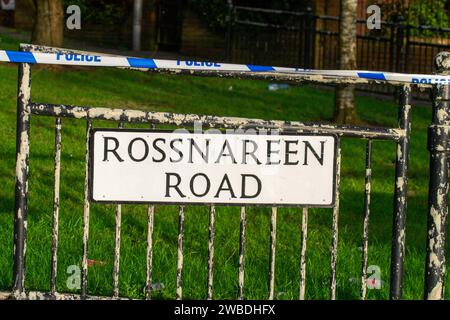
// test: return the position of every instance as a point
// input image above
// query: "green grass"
(183, 94)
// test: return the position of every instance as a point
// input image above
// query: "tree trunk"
(49, 23)
(344, 104)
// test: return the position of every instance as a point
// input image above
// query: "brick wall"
(198, 41)
(24, 14)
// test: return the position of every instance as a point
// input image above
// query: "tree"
(344, 104)
(49, 23)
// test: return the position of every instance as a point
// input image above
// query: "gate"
(27, 108)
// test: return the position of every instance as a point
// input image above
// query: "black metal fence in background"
(302, 39)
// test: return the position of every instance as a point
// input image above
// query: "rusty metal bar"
(335, 225)
(273, 243)
(211, 235)
(438, 189)
(116, 267)
(148, 283)
(57, 175)
(438, 145)
(40, 295)
(401, 183)
(84, 267)
(267, 76)
(180, 253)
(273, 76)
(241, 255)
(117, 252)
(365, 244)
(304, 235)
(22, 168)
(138, 116)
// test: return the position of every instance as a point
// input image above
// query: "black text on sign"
(212, 168)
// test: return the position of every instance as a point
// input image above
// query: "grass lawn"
(183, 94)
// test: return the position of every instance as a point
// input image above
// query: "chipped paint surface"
(304, 235)
(57, 174)
(148, 282)
(86, 208)
(35, 295)
(180, 253)
(296, 78)
(365, 240)
(438, 145)
(400, 196)
(399, 135)
(211, 235)
(241, 255)
(442, 63)
(116, 267)
(213, 121)
(273, 243)
(335, 226)
(22, 168)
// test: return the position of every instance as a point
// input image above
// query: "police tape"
(92, 60)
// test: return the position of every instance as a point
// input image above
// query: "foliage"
(429, 13)
(432, 13)
(215, 12)
(102, 12)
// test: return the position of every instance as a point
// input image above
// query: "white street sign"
(212, 168)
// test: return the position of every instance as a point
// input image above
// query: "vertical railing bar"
(273, 243)
(438, 185)
(304, 235)
(335, 225)
(149, 264)
(365, 244)
(57, 175)
(211, 235)
(241, 255)
(180, 253)
(117, 252)
(116, 268)
(84, 271)
(401, 183)
(148, 285)
(21, 183)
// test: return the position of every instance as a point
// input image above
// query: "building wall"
(198, 41)
(24, 14)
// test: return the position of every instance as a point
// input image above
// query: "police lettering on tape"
(120, 61)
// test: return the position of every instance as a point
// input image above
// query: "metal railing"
(27, 108)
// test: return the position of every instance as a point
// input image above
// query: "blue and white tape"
(93, 60)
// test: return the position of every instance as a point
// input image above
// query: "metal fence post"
(438, 145)
(401, 184)
(21, 189)
(308, 30)
(399, 43)
(229, 31)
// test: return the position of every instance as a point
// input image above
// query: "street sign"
(148, 166)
